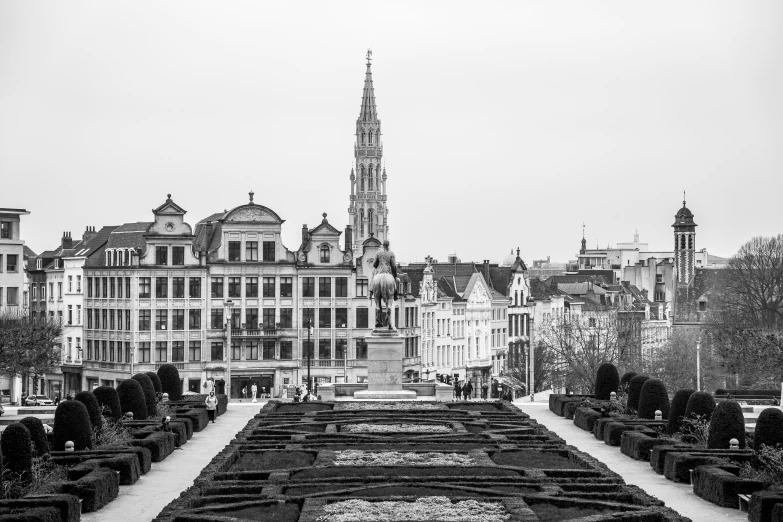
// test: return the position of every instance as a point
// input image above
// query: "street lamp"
(229, 304)
(698, 363)
(309, 349)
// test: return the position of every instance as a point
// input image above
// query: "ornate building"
(684, 244)
(367, 213)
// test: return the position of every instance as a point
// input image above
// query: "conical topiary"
(132, 399)
(17, 451)
(677, 411)
(93, 408)
(635, 390)
(169, 381)
(37, 435)
(726, 423)
(607, 380)
(652, 397)
(150, 399)
(72, 422)
(769, 429)
(700, 404)
(626, 379)
(155, 381)
(107, 397)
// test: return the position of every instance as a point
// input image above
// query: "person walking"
(457, 390)
(211, 403)
(244, 392)
(467, 390)
(484, 390)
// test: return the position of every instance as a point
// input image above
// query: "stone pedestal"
(385, 350)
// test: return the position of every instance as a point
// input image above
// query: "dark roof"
(28, 252)
(598, 279)
(207, 239)
(683, 217)
(416, 276)
(446, 290)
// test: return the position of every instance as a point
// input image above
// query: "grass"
(401, 471)
(533, 460)
(271, 513)
(551, 512)
(260, 460)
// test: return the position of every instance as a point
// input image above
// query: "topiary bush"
(677, 410)
(107, 397)
(17, 451)
(626, 379)
(155, 381)
(132, 399)
(635, 390)
(769, 429)
(607, 380)
(37, 435)
(150, 399)
(700, 404)
(726, 423)
(93, 408)
(653, 396)
(169, 381)
(72, 422)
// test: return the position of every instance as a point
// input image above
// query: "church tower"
(367, 213)
(684, 244)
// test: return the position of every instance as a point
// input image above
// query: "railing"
(333, 363)
(476, 363)
(255, 332)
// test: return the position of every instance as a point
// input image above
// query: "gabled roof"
(445, 290)
(28, 252)
(208, 238)
(580, 288)
(169, 204)
(416, 276)
(129, 235)
(325, 228)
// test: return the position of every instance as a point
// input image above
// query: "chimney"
(305, 234)
(348, 238)
(89, 233)
(66, 241)
(486, 271)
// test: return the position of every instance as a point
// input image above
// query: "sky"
(505, 124)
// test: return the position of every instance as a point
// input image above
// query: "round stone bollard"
(69, 445)
(165, 398)
(613, 396)
(658, 415)
(733, 444)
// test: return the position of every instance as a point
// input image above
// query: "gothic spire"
(368, 97)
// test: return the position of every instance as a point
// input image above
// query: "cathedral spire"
(368, 97)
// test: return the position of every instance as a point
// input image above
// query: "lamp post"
(309, 349)
(132, 358)
(229, 305)
(698, 364)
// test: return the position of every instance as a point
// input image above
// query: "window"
(217, 287)
(341, 318)
(269, 287)
(341, 287)
(34, 289)
(591, 322)
(161, 318)
(268, 350)
(178, 287)
(195, 287)
(104, 321)
(324, 348)
(236, 350)
(361, 317)
(236, 318)
(286, 350)
(324, 254)
(269, 251)
(177, 351)
(251, 250)
(308, 317)
(325, 318)
(308, 287)
(178, 255)
(286, 286)
(216, 319)
(70, 314)
(161, 351)
(70, 284)
(341, 349)
(269, 318)
(144, 352)
(127, 287)
(251, 318)
(119, 287)
(216, 352)
(194, 350)
(11, 263)
(361, 288)
(127, 319)
(251, 286)
(286, 318)
(251, 350)
(89, 319)
(307, 349)
(361, 348)
(178, 319)
(161, 255)
(702, 306)
(145, 287)
(324, 287)
(659, 278)
(5, 230)
(60, 291)
(161, 287)
(51, 291)
(234, 248)
(234, 286)
(89, 288)
(194, 319)
(112, 288)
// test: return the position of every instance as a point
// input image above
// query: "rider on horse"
(384, 282)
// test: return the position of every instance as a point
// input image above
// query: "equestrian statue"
(383, 286)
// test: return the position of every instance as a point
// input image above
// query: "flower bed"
(395, 428)
(423, 509)
(397, 458)
(394, 406)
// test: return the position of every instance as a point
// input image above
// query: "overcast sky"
(505, 124)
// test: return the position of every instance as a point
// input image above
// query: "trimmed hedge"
(126, 463)
(720, 487)
(769, 428)
(169, 381)
(762, 504)
(585, 418)
(93, 408)
(150, 399)
(653, 396)
(132, 399)
(36, 514)
(607, 380)
(635, 391)
(198, 417)
(677, 466)
(142, 455)
(155, 381)
(17, 451)
(637, 445)
(66, 505)
(160, 443)
(96, 489)
(72, 422)
(37, 434)
(700, 404)
(107, 396)
(660, 453)
(677, 410)
(626, 378)
(727, 423)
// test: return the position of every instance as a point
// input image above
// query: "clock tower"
(684, 244)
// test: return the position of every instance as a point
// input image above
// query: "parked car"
(39, 400)
(2, 410)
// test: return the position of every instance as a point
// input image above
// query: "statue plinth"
(385, 350)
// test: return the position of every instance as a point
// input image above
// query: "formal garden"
(98, 441)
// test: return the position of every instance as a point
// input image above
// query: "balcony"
(334, 363)
(249, 333)
(483, 362)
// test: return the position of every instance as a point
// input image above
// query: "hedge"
(36, 514)
(769, 428)
(132, 399)
(79, 465)
(700, 404)
(720, 487)
(726, 423)
(93, 408)
(150, 399)
(160, 444)
(170, 382)
(66, 505)
(677, 466)
(17, 451)
(107, 396)
(72, 422)
(96, 489)
(747, 393)
(155, 381)
(198, 417)
(637, 445)
(653, 396)
(635, 391)
(585, 418)
(660, 454)
(37, 434)
(626, 378)
(607, 381)
(142, 455)
(677, 410)
(762, 503)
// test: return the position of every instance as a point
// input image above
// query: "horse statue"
(383, 286)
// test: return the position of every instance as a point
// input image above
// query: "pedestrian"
(467, 390)
(253, 391)
(244, 392)
(457, 390)
(211, 403)
(484, 389)
(57, 399)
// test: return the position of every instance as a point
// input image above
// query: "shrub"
(150, 399)
(626, 379)
(677, 410)
(635, 390)
(17, 452)
(155, 381)
(93, 408)
(769, 429)
(653, 396)
(132, 399)
(726, 423)
(109, 400)
(700, 404)
(169, 381)
(37, 435)
(607, 381)
(72, 422)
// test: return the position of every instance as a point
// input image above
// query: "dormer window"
(702, 306)
(325, 254)
(38, 264)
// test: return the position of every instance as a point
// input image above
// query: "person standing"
(253, 391)
(244, 392)
(211, 403)
(467, 390)
(457, 390)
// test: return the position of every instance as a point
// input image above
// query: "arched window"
(324, 254)
(369, 179)
(682, 241)
(363, 136)
(370, 224)
(370, 137)
(690, 241)
(361, 223)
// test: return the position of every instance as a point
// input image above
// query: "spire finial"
(369, 56)
(168, 196)
(324, 215)
(517, 251)
(251, 194)
(683, 198)
(583, 230)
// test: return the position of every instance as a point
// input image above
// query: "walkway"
(677, 496)
(142, 501)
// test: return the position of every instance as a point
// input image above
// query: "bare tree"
(28, 345)
(543, 366)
